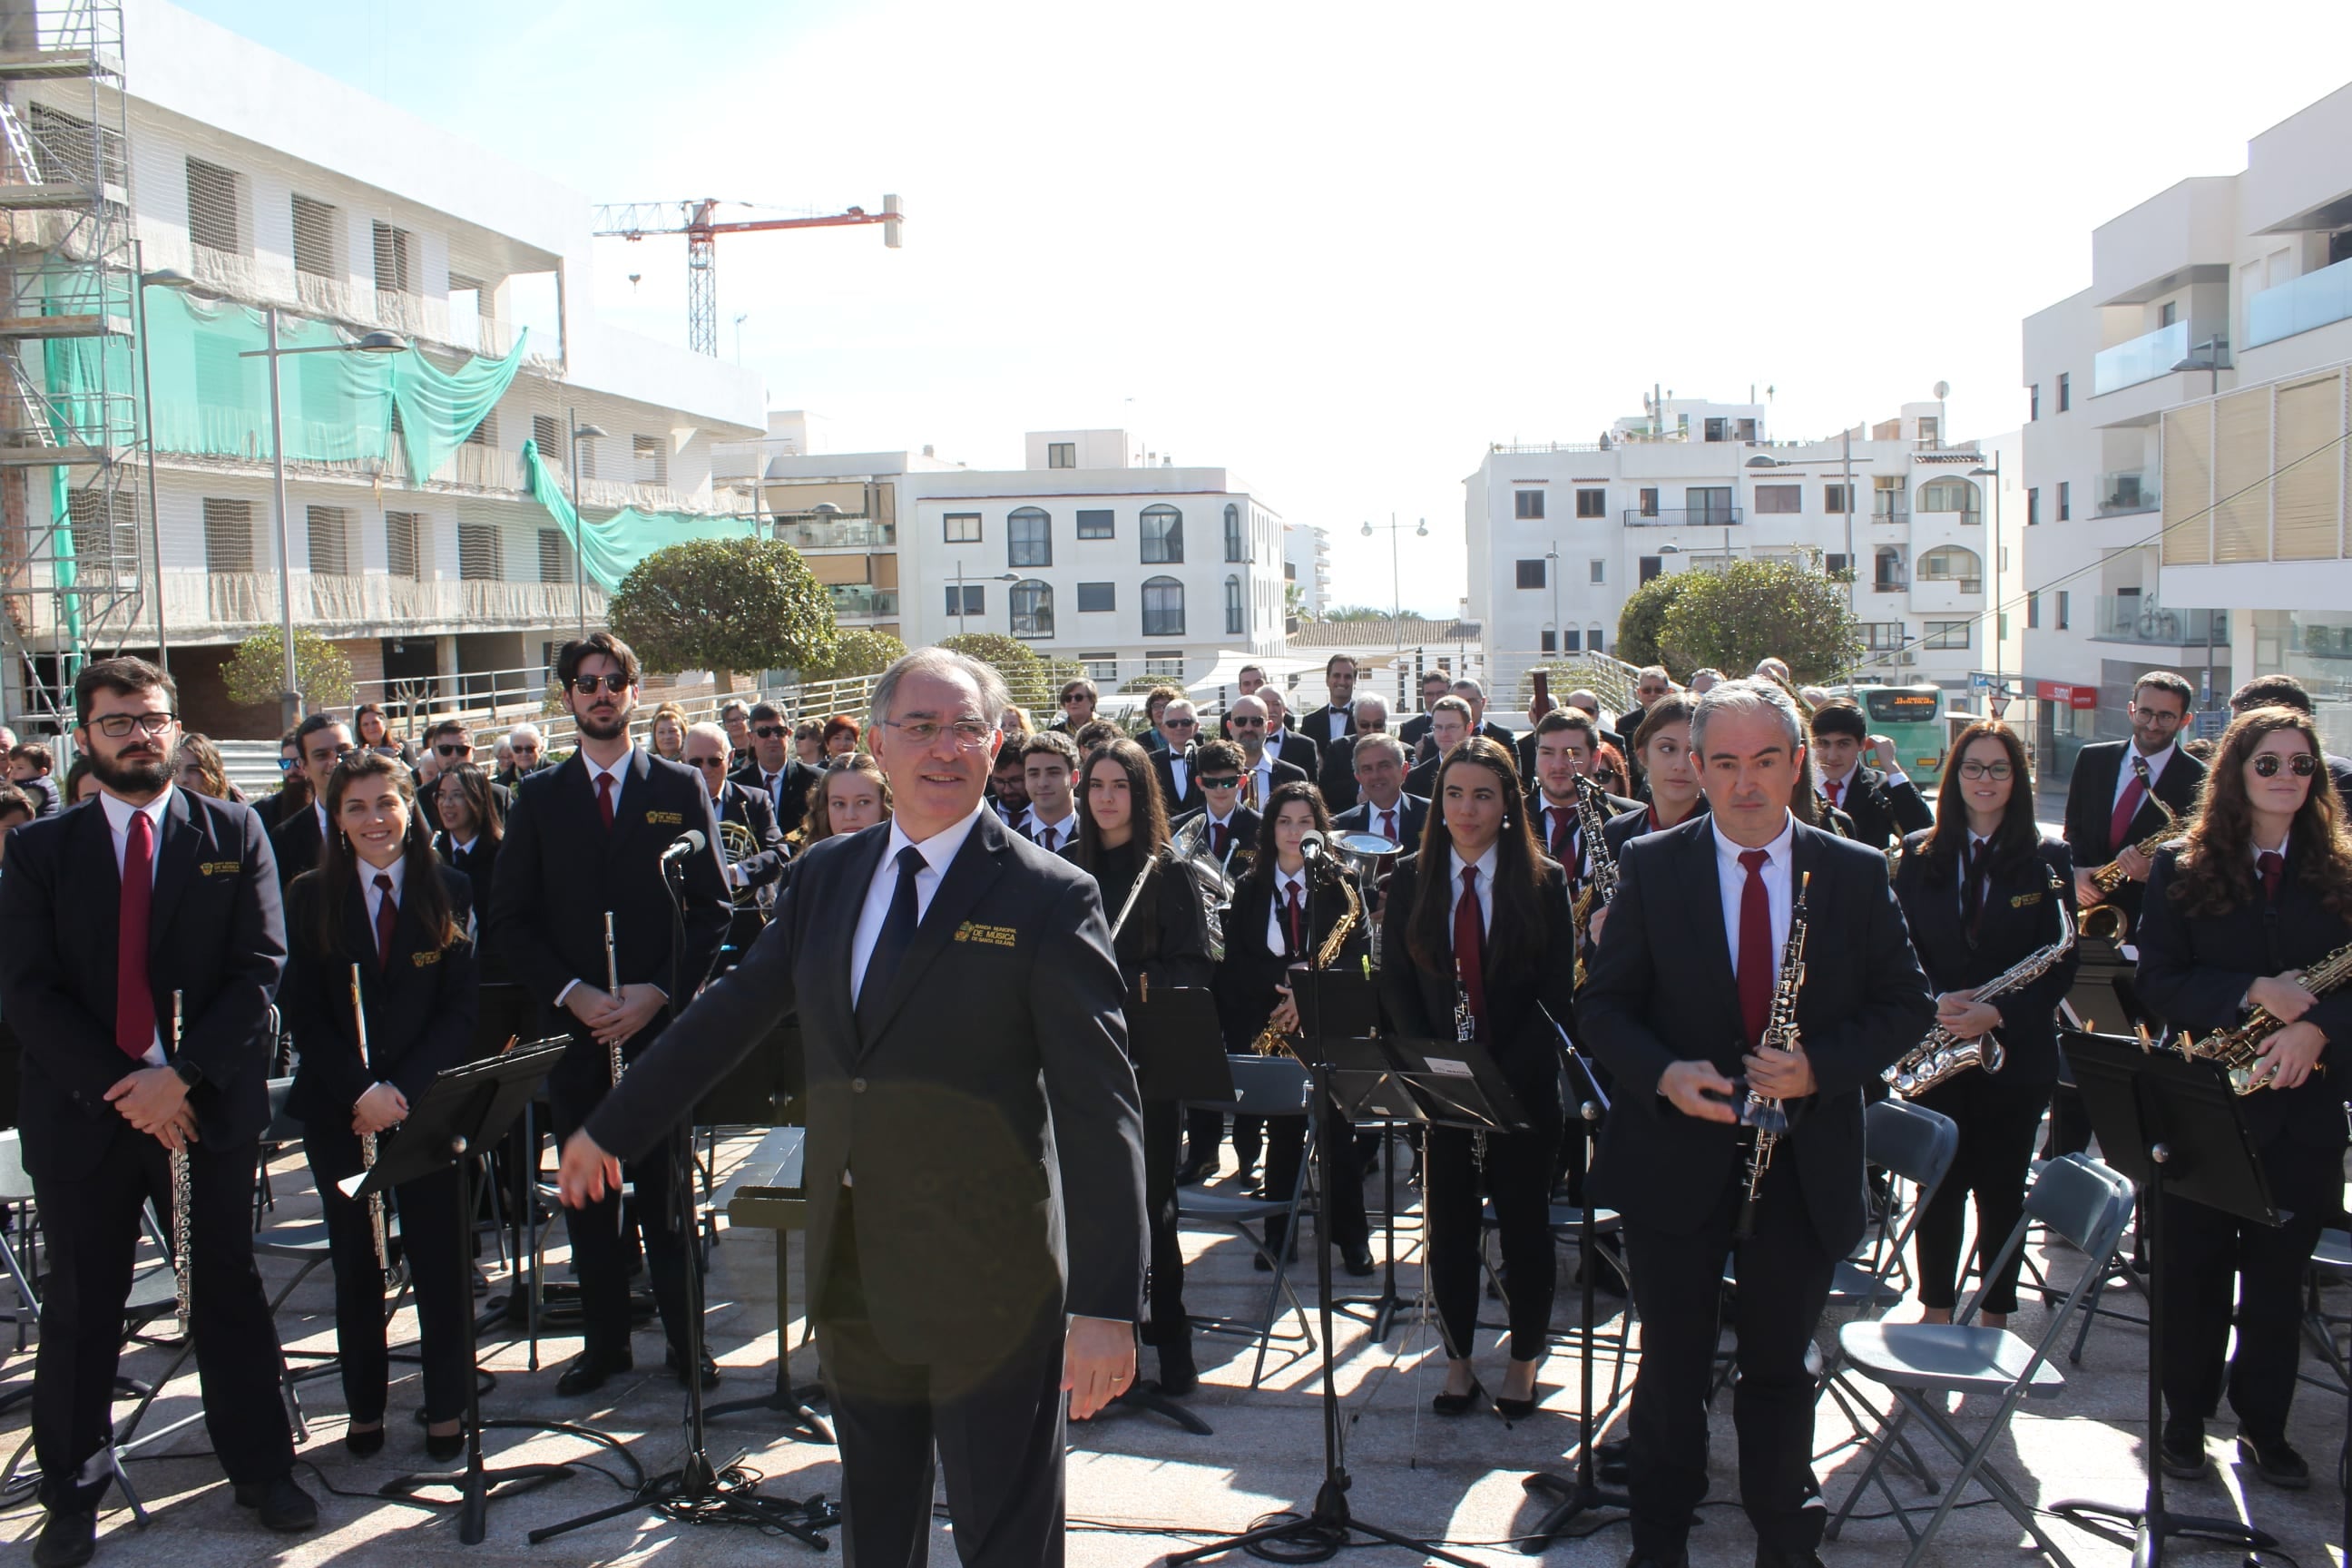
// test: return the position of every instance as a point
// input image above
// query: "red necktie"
(1470, 948)
(1836, 788)
(1755, 948)
(1388, 827)
(134, 1000)
(1560, 832)
(2119, 825)
(1298, 922)
(387, 915)
(605, 798)
(1217, 839)
(2272, 866)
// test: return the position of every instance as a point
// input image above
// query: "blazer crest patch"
(425, 956)
(2024, 900)
(219, 868)
(665, 819)
(992, 936)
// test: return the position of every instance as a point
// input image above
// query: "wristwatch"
(188, 1072)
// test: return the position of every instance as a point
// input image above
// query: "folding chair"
(1267, 1086)
(1921, 1363)
(16, 1199)
(2331, 1256)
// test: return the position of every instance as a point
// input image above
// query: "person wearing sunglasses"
(753, 845)
(2237, 914)
(527, 752)
(583, 855)
(319, 742)
(774, 770)
(1180, 732)
(2286, 692)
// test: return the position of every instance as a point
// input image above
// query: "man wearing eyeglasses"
(319, 742)
(448, 744)
(140, 942)
(2108, 810)
(586, 840)
(758, 860)
(1262, 771)
(773, 770)
(974, 1171)
(1180, 726)
(1883, 805)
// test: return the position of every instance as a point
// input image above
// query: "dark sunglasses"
(1181, 723)
(449, 750)
(706, 762)
(1246, 723)
(586, 684)
(2302, 765)
(771, 732)
(1223, 781)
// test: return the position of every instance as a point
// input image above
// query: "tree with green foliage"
(1030, 678)
(255, 672)
(724, 605)
(1732, 618)
(1643, 618)
(858, 652)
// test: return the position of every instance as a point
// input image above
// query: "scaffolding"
(74, 561)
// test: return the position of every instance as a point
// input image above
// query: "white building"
(1306, 566)
(1560, 535)
(1088, 553)
(2185, 461)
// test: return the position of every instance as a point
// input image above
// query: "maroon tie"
(134, 1000)
(1837, 788)
(1470, 948)
(1755, 948)
(1560, 832)
(1388, 827)
(1217, 839)
(2273, 865)
(2119, 825)
(387, 915)
(605, 798)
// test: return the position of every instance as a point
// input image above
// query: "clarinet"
(1763, 1112)
(1465, 1028)
(376, 1220)
(183, 1195)
(613, 989)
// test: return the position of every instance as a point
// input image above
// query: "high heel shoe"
(1458, 1404)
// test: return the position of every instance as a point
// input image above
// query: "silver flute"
(613, 989)
(183, 1200)
(376, 1220)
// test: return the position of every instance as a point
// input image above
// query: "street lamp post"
(999, 577)
(1396, 580)
(1994, 575)
(1551, 570)
(579, 523)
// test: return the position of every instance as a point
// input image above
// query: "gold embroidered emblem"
(993, 936)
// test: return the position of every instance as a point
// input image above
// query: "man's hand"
(381, 1107)
(2288, 1057)
(1688, 1086)
(180, 1131)
(149, 1099)
(1878, 750)
(1097, 1357)
(588, 1004)
(1964, 1016)
(587, 1173)
(1286, 1012)
(2135, 864)
(2086, 891)
(635, 1008)
(1782, 1075)
(2282, 997)
(1599, 918)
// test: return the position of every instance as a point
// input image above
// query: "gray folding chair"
(17, 1198)
(1267, 1086)
(1922, 1363)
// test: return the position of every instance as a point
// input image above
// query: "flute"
(376, 1221)
(613, 989)
(183, 1199)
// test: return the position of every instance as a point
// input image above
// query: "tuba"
(1942, 1054)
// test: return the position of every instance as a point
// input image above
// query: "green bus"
(1910, 716)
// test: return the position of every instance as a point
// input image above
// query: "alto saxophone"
(1601, 885)
(1941, 1054)
(183, 1195)
(377, 1224)
(2236, 1049)
(1764, 1112)
(2112, 876)
(1269, 1039)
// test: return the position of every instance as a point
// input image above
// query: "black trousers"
(92, 1224)
(1997, 1120)
(1206, 1130)
(1162, 1133)
(2209, 1251)
(996, 1428)
(602, 1247)
(430, 1224)
(2070, 1123)
(1517, 1176)
(1285, 1145)
(1784, 1282)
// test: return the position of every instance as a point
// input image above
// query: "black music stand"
(2173, 1126)
(1372, 1089)
(469, 1108)
(795, 1404)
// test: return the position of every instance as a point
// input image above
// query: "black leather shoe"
(359, 1442)
(282, 1503)
(2276, 1461)
(443, 1449)
(1641, 1559)
(709, 1368)
(1191, 1172)
(1178, 1375)
(588, 1371)
(2182, 1450)
(1357, 1259)
(1459, 1404)
(68, 1537)
(1766, 1557)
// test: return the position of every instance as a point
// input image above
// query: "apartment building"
(2185, 455)
(1091, 551)
(1560, 535)
(1306, 568)
(254, 185)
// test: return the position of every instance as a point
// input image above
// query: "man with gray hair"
(528, 747)
(1678, 1003)
(1473, 693)
(1382, 806)
(989, 1256)
(1337, 780)
(1179, 784)
(1650, 684)
(1262, 772)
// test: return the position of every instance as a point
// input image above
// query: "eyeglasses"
(971, 734)
(614, 682)
(449, 750)
(771, 732)
(288, 764)
(1247, 724)
(706, 762)
(1223, 781)
(2302, 765)
(1179, 724)
(115, 726)
(522, 750)
(1997, 771)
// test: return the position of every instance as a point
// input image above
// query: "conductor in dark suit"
(1676, 1000)
(107, 916)
(774, 771)
(989, 1256)
(587, 838)
(2107, 808)
(320, 741)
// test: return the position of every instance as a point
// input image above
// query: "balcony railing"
(1890, 585)
(2133, 618)
(856, 599)
(2300, 304)
(848, 534)
(197, 604)
(2149, 356)
(2127, 490)
(1896, 511)
(1685, 517)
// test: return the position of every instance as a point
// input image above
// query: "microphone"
(1312, 844)
(690, 842)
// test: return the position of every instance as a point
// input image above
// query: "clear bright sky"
(1338, 249)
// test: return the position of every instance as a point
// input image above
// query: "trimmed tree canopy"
(1645, 617)
(255, 672)
(724, 605)
(1732, 618)
(858, 651)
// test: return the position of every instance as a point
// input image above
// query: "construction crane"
(697, 221)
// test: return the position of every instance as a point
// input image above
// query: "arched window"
(1952, 495)
(1033, 610)
(1029, 538)
(1236, 610)
(1592, 639)
(1164, 536)
(1889, 573)
(1954, 563)
(1163, 607)
(1236, 541)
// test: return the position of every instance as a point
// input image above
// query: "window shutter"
(2310, 494)
(2187, 486)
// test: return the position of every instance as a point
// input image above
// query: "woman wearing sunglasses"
(2235, 915)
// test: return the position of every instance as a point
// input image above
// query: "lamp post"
(162, 278)
(1396, 580)
(579, 523)
(999, 577)
(1551, 570)
(1993, 473)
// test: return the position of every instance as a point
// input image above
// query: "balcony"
(1890, 585)
(2134, 619)
(1685, 517)
(2311, 300)
(1893, 509)
(847, 533)
(2154, 355)
(856, 600)
(201, 605)
(2127, 490)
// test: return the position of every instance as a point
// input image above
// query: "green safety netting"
(609, 549)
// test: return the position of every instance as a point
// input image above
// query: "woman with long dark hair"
(1478, 920)
(381, 907)
(373, 735)
(2235, 915)
(1983, 889)
(1169, 937)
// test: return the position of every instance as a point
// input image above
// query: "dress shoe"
(1518, 1409)
(282, 1503)
(68, 1537)
(446, 1448)
(1459, 1404)
(1653, 1559)
(1178, 1375)
(1767, 1557)
(671, 1365)
(1191, 1172)
(588, 1371)
(2182, 1450)
(1356, 1258)
(359, 1442)
(2276, 1461)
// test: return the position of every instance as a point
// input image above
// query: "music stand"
(467, 1108)
(1366, 1084)
(1179, 1049)
(2174, 1127)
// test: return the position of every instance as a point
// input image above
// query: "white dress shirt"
(2127, 772)
(1278, 914)
(1176, 771)
(938, 851)
(1255, 794)
(1341, 720)
(1779, 885)
(397, 871)
(119, 814)
(1835, 789)
(1486, 864)
(618, 773)
(1057, 834)
(774, 783)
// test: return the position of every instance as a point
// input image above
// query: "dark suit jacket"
(1240, 843)
(1337, 779)
(1320, 727)
(1882, 812)
(749, 809)
(420, 1010)
(1413, 820)
(216, 933)
(984, 1125)
(1661, 988)
(560, 871)
(798, 776)
(1612, 806)
(2090, 802)
(2193, 970)
(1250, 971)
(42, 791)
(295, 841)
(2339, 773)
(1412, 732)
(1300, 752)
(480, 866)
(1621, 830)
(1176, 804)
(2020, 915)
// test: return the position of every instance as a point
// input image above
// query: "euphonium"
(1942, 1053)
(2236, 1049)
(1765, 1112)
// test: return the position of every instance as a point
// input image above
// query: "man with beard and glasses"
(586, 839)
(141, 943)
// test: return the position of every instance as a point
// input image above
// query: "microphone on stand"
(690, 842)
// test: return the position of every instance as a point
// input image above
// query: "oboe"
(1765, 1112)
(183, 1199)
(613, 989)
(376, 1221)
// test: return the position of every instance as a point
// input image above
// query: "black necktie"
(890, 947)
(1972, 890)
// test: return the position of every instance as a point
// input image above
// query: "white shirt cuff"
(568, 990)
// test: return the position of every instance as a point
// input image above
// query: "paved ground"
(1139, 1487)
